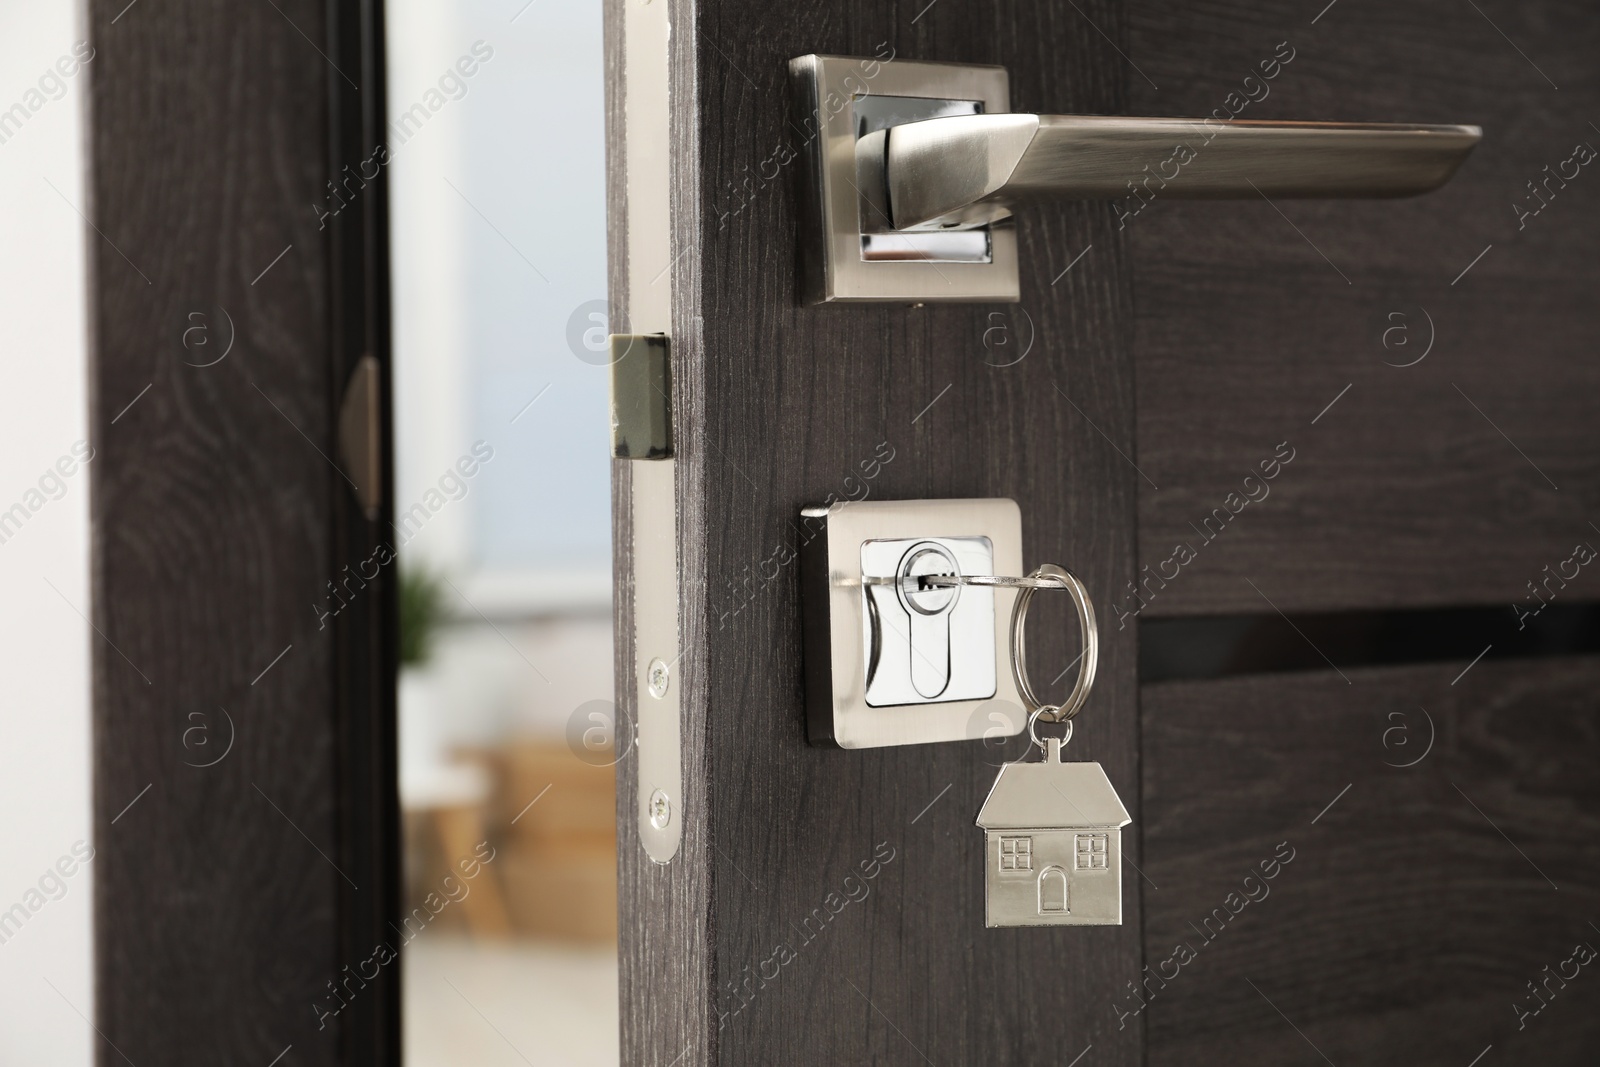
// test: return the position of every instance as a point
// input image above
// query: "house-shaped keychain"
(1053, 845)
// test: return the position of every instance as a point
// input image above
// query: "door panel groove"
(1224, 646)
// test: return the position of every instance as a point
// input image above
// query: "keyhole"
(921, 561)
(929, 609)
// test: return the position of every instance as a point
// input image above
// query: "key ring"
(1033, 733)
(1046, 576)
(1088, 662)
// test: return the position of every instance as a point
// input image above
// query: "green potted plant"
(430, 777)
(421, 611)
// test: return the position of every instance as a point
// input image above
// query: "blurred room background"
(497, 217)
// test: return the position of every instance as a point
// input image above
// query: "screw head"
(659, 677)
(660, 810)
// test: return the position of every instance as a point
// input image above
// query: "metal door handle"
(968, 170)
(915, 168)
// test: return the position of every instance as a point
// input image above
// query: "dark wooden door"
(1339, 898)
(1437, 509)
(764, 940)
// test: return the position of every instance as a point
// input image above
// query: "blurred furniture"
(447, 797)
(558, 856)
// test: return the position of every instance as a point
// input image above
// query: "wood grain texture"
(1433, 484)
(775, 407)
(664, 942)
(229, 895)
(1416, 907)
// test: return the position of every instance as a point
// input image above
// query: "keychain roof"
(1032, 796)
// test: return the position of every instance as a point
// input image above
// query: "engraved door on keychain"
(1053, 830)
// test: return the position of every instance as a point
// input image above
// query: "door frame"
(236, 898)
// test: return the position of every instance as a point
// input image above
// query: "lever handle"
(968, 170)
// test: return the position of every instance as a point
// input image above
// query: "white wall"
(430, 349)
(44, 650)
(497, 219)
(498, 230)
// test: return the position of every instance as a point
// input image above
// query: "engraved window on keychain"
(1052, 830)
